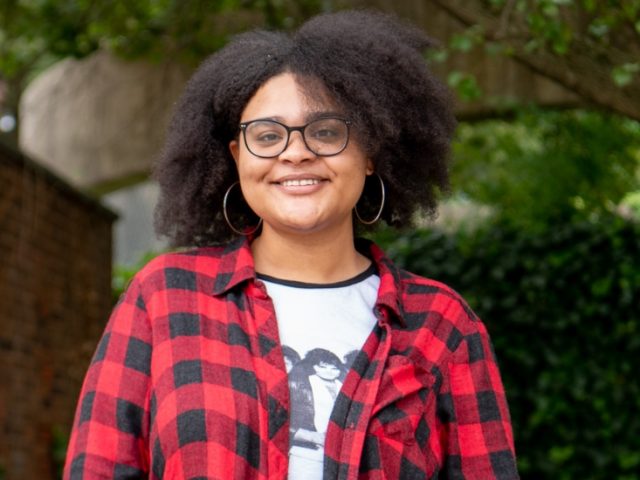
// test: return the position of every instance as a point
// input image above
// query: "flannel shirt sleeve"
(475, 424)
(109, 437)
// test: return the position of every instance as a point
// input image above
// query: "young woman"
(279, 148)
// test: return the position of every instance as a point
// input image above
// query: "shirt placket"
(277, 393)
(350, 439)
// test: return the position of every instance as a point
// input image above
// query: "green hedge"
(563, 312)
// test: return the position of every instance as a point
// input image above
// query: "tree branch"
(579, 70)
(505, 16)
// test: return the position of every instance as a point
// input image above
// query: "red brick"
(55, 277)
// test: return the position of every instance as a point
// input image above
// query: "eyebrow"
(323, 114)
(309, 117)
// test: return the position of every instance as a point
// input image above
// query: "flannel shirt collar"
(237, 266)
(389, 291)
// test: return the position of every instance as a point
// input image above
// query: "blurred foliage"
(585, 45)
(631, 201)
(562, 310)
(122, 274)
(542, 167)
(59, 442)
(551, 23)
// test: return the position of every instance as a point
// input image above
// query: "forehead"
(284, 97)
(326, 364)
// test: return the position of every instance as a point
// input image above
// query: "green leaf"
(437, 55)
(495, 48)
(598, 29)
(465, 85)
(624, 74)
(461, 42)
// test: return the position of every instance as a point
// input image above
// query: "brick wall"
(55, 297)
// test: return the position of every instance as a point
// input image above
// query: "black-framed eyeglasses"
(268, 138)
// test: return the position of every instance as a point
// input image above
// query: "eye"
(268, 137)
(328, 131)
(265, 133)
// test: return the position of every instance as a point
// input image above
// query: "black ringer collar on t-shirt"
(371, 270)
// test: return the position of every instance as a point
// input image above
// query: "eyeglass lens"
(267, 138)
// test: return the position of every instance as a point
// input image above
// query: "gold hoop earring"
(226, 215)
(377, 217)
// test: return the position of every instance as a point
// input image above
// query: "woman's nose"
(296, 150)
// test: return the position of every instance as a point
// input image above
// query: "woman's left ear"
(370, 168)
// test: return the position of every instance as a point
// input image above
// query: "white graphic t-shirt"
(322, 329)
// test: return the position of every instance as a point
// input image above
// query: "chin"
(307, 224)
(302, 227)
(295, 220)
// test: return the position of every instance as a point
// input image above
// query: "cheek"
(357, 182)
(250, 169)
(251, 175)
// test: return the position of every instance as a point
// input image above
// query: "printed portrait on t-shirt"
(291, 357)
(314, 383)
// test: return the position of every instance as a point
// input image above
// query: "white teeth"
(300, 183)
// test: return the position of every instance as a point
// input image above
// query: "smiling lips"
(303, 182)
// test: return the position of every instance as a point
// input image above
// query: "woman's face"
(326, 371)
(298, 191)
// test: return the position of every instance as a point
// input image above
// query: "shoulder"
(200, 259)
(431, 302)
(416, 293)
(435, 313)
(418, 287)
(183, 270)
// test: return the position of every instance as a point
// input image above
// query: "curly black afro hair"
(370, 64)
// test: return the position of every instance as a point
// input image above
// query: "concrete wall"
(55, 298)
(100, 119)
(133, 235)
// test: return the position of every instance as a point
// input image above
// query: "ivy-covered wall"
(563, 312)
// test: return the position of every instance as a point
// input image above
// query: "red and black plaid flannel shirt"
(189, 382)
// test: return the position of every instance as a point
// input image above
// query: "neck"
(319, 258)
